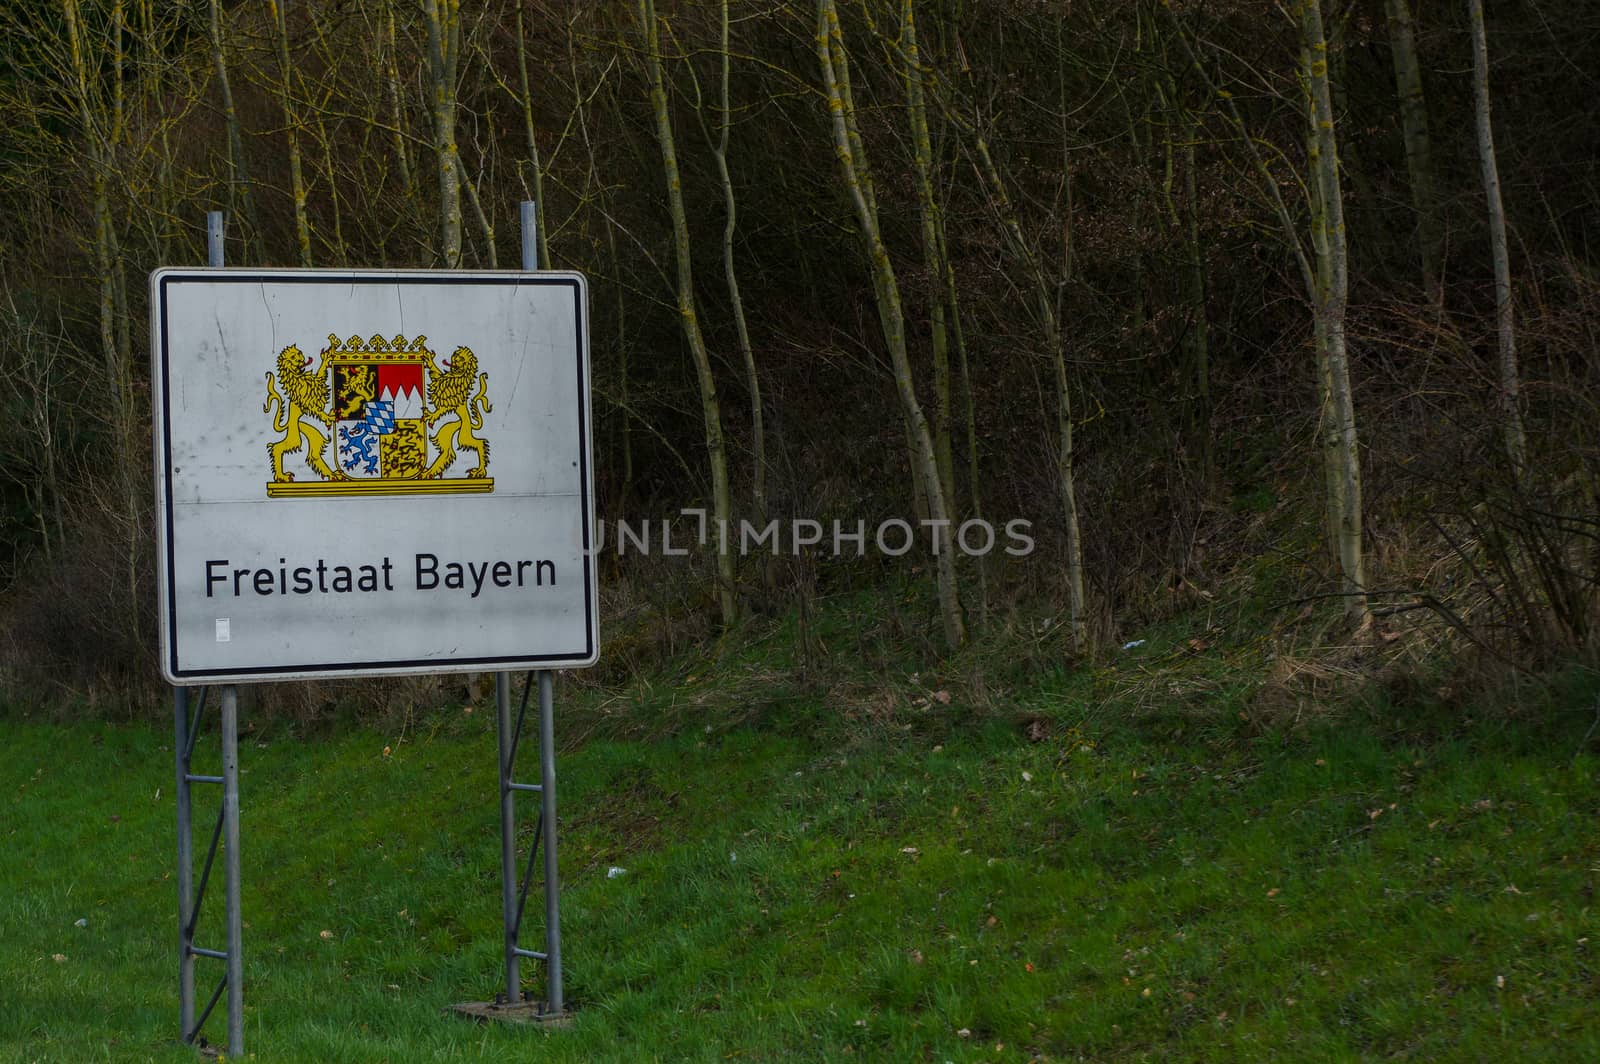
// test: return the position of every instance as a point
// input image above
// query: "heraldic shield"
(398, 420)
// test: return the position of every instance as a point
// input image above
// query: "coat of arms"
(398, 421)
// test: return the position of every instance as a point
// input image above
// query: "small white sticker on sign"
(224, 630)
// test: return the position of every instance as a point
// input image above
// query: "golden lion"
(305, 395)
(451, 393)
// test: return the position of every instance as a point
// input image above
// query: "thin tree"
(688, 317)
(1043, 287)
(730, 273)
(857, 176)
(1330, 297)
(1418, 140)
(1516, 440)
(928, 217)
(444, 52)
(1324, 272)
(525, 99)
(391, 82)
(291, 122)
(758, 432)
(240, 200)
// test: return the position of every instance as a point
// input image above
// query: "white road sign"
(371, 472)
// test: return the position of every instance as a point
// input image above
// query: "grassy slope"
(1195, 892)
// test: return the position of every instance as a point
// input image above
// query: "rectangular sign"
(365, 473)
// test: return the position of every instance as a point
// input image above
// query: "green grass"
(944, 891)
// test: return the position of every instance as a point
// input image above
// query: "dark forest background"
(1291, 303)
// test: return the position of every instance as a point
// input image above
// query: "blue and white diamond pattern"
(358, 440)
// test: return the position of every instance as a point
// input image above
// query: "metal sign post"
(512, 1003)
(226, 831)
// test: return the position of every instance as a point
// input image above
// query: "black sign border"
(163, 279)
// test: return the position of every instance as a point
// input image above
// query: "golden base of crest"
(289, 489)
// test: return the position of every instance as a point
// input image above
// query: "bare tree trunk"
(241, 202)
(402, 155)
(970, 410)
(1329, 300)
(1510, 378)
(444, 49)
(919, 490)
(542, 236)
(758, 433)
(928, 217)
(155, 81)
(1324, 275)
(1044, 307)
(297, 184)
(687, 316)
(851, 152)
(1419, 143)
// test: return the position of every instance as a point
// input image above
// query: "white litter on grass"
(614, 871)
(1135, 643)
(80, 922)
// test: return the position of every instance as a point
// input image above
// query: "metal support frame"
(191, 896)
(514, 889)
